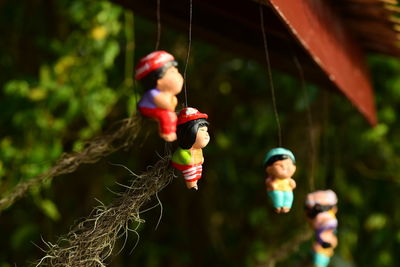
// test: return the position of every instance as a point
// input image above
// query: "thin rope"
(122, 137)
(130, 53)
(270, 76)
(158, 25)
(287, 249)
(161, 211)
(135, 93)
(311, 179)
(188, 51)
(326, 142)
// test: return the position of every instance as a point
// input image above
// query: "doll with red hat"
(193, 136)
(158, 73)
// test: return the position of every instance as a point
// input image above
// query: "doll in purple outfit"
(159, 75)
(321, 211)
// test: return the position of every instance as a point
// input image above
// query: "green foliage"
(62, 103)
(71, 93)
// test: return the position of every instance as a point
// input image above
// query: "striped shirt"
(190, 166)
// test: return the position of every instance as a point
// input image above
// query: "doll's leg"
(287, 201)
(191, 185)
(167, 122)
(277, 199)
(192, 175)
(320, 260)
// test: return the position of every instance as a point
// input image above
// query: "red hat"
(152, 62)
(189, 114)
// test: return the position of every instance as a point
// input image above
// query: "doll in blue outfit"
(279, 164)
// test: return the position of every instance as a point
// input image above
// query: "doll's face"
(324, 198)
(171, 82)
(202, 138)
(281, 169)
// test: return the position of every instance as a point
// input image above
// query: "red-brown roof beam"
(329, 42)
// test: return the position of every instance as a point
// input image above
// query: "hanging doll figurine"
(159, 75)
(279, 163)
(192, 137)
(321, 211)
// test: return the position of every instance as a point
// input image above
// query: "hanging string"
(135, 93)
(188, 51)
(130, 53)
(327, 146)
(167, 148)
(158, 25)
(167, 144)
(311, 178)
(270, 76)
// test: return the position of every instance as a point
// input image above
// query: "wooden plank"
(322, 34)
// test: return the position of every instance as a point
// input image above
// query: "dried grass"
(92, 241)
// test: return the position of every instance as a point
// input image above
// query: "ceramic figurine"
(193, 136)
(279, 164)
(321, 211)
(158, 73)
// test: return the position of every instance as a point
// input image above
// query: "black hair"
(275, 158)
(150, 80)
(316, 209)
(187, 132)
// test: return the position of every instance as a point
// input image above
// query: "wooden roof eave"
(323, 34)
(234, 25)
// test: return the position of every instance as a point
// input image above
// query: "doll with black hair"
(193, 136)
(321, 211)
(159, 75)
(280, 165)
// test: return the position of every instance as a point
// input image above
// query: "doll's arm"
(269, 184)
(292, 183)
(165, 101)
(326, 238)
(174, 102)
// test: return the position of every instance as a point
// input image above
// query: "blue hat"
(279, 151)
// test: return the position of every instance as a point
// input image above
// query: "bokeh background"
(67, 69)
